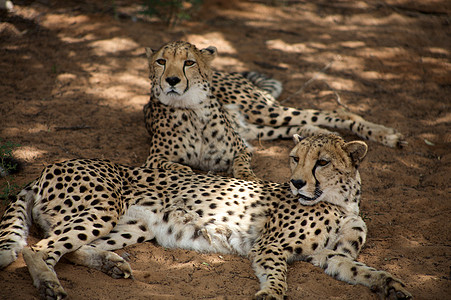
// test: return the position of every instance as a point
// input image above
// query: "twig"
(338, 99)
(304, 86)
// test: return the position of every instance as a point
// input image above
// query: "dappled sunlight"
(293, 48)
(342, 83)
(229, 63)
(352, 44)
(38, 127)
(28, 153)
(124, 89)
(425, 279)
(438, 50)
(216, 39)
(111, 46)
(392, 19)
(57, 20)
(439, 120)
(87, 37)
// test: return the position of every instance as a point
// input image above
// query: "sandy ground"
(74, 81)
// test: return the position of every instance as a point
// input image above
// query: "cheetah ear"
(149, 52)
(297, 138)
(357, 151)
(209, 53)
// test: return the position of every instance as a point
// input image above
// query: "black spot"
(314, 246)
(126, 236)
(105, 218)
(82, 236)
(166, 217)
(355, 244)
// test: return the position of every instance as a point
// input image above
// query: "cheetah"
(202, 119)
(88, 208)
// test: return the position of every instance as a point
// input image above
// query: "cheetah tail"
(14, 226)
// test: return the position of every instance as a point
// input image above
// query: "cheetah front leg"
(158, 161)
(106, 261)
(43, 275)
(242, 167)
(130, 229)
(339, 262)
(343, 267)
(270, 265)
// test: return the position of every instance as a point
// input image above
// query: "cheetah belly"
(189, 231)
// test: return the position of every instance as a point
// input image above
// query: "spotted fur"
(201, 119)
(89, 207)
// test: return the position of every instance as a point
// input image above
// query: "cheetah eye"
(322, 162)
(189, 63)
(295, 159)
(161, 61)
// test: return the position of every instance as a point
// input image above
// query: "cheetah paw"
(116, 267)
(182, 168)
(51, 290)
(396, 290)
(267, 294)
(394, 140)
(393, 289)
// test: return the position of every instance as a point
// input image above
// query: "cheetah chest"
(199, 138)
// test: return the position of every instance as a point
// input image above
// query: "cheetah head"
(324, 168)
(180, 73)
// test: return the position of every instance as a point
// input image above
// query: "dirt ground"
(73, 81)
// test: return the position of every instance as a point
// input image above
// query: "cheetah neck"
(349, 202)
(192, 98)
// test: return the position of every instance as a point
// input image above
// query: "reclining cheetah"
(202, 119)
(89, 207)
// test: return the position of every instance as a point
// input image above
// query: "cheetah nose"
(298, 183)
(173, 80)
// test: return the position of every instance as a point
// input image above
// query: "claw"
(402, 144)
